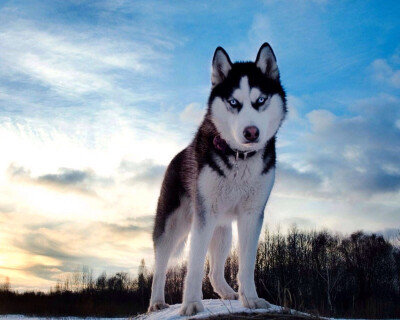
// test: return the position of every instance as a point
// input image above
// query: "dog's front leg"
(202, 230)
(249, 227)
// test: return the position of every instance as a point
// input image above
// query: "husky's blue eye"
(233, 102)
(260, 100)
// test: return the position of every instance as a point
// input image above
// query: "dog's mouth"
(249, 144)
(221, 144)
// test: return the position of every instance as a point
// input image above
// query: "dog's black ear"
(266, 61)
(221, 66)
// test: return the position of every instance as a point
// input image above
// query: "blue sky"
(96, 97)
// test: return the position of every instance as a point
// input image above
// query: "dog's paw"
(157, 305)
(229, 296)
(191, 308)
(257, 303)
(224, 290)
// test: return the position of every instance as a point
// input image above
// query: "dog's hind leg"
(219, 250)
(162, 255)
(176, 231)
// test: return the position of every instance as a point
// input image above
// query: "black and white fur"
(206, 187)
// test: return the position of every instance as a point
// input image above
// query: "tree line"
(355, 276)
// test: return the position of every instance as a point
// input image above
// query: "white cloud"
(340, 166)
(66, 171)
(294, 104)
(356, 154)
(321, 119)
(51, 150)
(193, 114)
(260, 32)
(386, 72)
(73, 63)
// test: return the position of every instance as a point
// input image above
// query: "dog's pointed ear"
(221, 66)
(266, 61)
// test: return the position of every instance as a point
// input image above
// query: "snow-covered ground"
(212, 307)
(21, 317)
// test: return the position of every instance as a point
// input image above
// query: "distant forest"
(356, 276)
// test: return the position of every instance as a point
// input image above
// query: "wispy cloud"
(147, 172)
(385, 72)
(55, 64)
(193, 114)
(53, 249)
(59, 61)
(82, 181)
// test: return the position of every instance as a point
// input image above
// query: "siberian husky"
(225, 174)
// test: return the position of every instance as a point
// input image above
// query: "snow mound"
(212, 307)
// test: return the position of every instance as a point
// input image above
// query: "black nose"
(251, 133)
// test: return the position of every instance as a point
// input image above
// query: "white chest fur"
(243, 188)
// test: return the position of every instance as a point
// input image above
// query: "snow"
(212, 307)
(22, 317)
